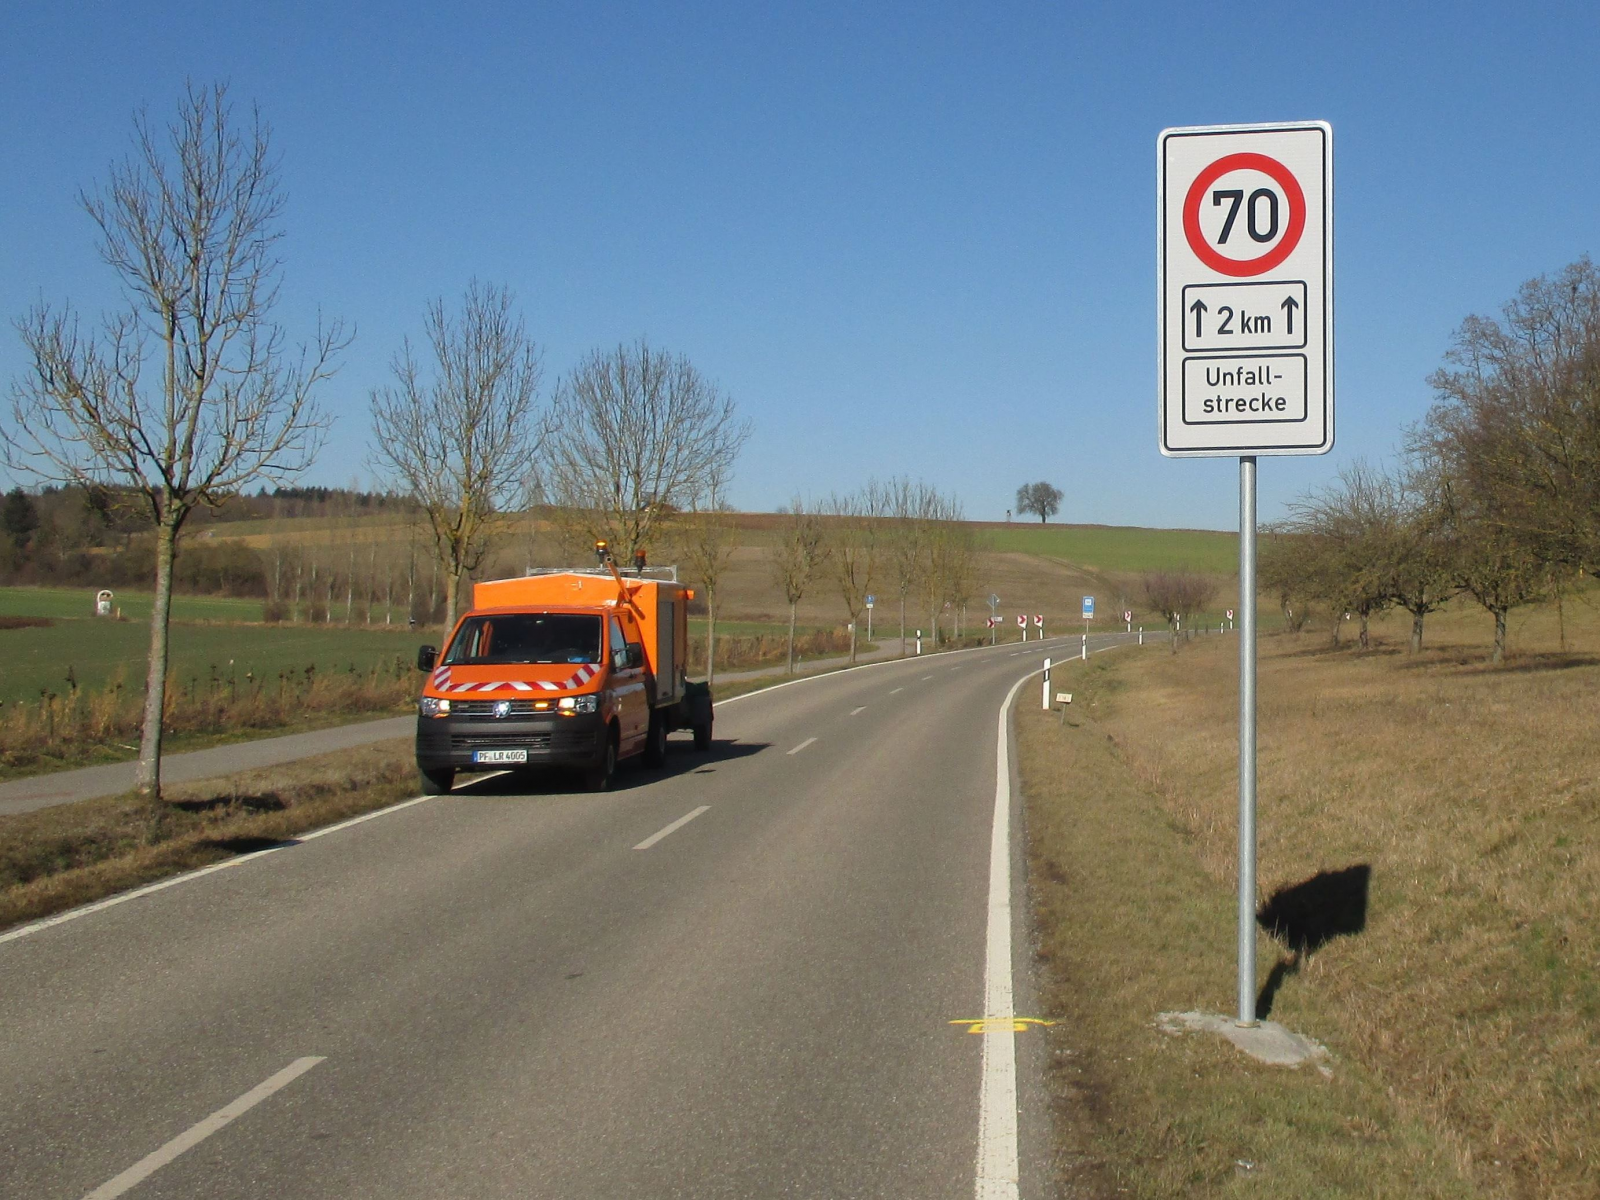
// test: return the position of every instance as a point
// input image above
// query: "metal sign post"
(1247, 741)
(1244, 245)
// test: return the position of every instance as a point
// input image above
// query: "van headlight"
(429, 707)
(579, 704)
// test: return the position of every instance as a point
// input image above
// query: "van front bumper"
(551, 741)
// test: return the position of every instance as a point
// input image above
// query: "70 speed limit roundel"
(1244, 214)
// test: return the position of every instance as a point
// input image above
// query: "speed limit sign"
(1245, 252)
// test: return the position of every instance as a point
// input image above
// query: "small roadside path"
(89, 783)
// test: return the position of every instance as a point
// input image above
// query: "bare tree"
(907, 505)
(461, 437)
(1041, 499)
(705, 540)
(1517, 423)
(855, 537)
(637, 433)
(1351, 532)
(796, 556)
(187, 394)
(1176, 594)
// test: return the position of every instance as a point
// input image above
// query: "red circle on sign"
(1282, 176)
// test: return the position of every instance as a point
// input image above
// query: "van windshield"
(526, 638)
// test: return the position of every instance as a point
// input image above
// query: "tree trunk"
(711, 636)
(1416, 631)
(1366, 642)
(902, 624)
(854, 620)
(791, 637)
(452, 597)
(1172, 635)
(1499, 635)
(155, 688)
(1041, 518)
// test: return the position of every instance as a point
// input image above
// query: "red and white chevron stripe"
(578, 678)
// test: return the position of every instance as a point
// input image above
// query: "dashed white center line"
(898, 689)
(862, 709)
(673, 828)
(925, 679)
(195, 1134)
(802, 746)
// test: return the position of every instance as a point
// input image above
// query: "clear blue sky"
(907, 239)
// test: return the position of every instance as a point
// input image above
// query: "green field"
(98, 651)
(1121, 549)
(79, 602)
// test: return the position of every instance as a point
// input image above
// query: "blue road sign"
(1088, 607)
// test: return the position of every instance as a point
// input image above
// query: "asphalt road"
(519, 993)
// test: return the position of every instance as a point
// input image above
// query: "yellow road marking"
(1000, 1024)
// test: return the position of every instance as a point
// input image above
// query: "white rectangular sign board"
(1244, 246)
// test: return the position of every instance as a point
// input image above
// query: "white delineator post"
(1247, 741)
(1086, 646)
(1046, 705)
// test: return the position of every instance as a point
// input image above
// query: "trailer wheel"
(655, 746)
(437, 782)
(702, 735)
(598, 777)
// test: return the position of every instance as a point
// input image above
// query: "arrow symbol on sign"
(1198, 308)
(1289, 305)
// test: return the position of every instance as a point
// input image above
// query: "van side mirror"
(635, 654)
(426, 657)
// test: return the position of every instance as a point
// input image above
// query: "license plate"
(499, 756)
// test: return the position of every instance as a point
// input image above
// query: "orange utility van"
(573, 668)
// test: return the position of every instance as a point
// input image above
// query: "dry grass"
(72, 854)
(104, 725)
(1473, 793)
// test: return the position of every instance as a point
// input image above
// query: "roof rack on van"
(660, 574)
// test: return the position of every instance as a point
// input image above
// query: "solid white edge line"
(997, 1169)
(801, 746)
(195, 1134)
(673, 828)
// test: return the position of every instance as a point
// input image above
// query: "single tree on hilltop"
(1040, 498)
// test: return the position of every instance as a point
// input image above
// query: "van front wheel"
(437, 782)
(598, 777)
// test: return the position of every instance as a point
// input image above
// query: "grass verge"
(70, 854)
(1130, 925)
(1463, 1006)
